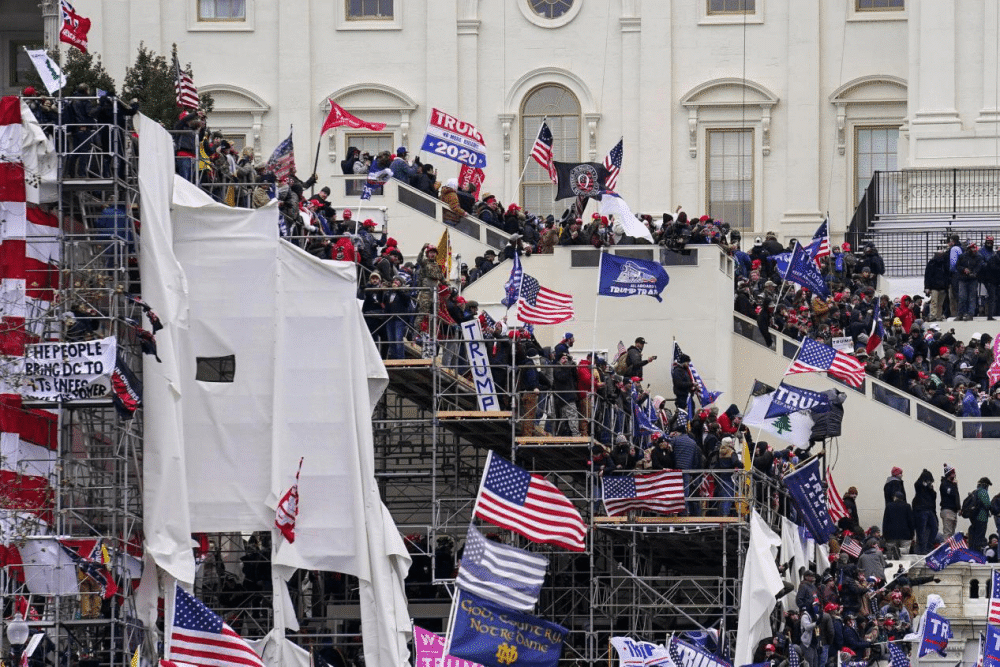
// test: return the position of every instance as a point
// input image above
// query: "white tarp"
(761, 582)
(793, 553)
(304, 380)
(48, 568)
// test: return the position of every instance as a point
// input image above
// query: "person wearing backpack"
(980, 515)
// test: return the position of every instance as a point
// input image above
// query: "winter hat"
(401, 150)
(896, 471)
(948, 469)
(347, 214)
(852, 492)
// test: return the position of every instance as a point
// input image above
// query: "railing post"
(954, 194)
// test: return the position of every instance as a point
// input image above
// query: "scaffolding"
(642, 576)
(92, 510)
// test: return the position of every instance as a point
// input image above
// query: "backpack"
(621, 365)
(970, 506)
(995, 505)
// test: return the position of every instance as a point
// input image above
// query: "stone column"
(295, 83)
(802, 113)
(468, 65)
(50, 23)
(631, 102)
(989, 113)
(934, 66)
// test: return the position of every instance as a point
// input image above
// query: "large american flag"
(509, 576)
(281, 160)
(896, 656)
(661, 492)
(187, 94)
(816, 357)
(540, 305)
(541, 151)
(200, 637)
(819, 247)
(613, 163)
(529, 505)
(838, 510)
(993, 611)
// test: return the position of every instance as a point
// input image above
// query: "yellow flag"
(744, 505)
(444, 254)
(135, 657)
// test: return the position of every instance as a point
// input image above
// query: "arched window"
(560, 109)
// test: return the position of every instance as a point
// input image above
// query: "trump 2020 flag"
(802, 270)
(806, 489)
(624, 276)
(787, 399)
(991, 647)
(497, 637)
(954, 550)
(508, 576)
(937, 632)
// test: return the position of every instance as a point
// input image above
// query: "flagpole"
(593, 346)
(319, 142)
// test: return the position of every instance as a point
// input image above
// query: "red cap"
(30, 90)
(636, 378)
(513, 207)
(943, 350)
(347, 214)
(845, 246)
(391, 242)
(703, 218)
(830, 607)
(368, 223)
(847, 651)
(899, 356)
(770, 647)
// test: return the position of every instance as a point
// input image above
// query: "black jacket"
(924, 495)
(950, 499)
(897, 521)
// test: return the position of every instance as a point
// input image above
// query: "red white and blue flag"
(661, 492)
(540, 305)
(542, 153)
(838, 510)
(200, 637)
(814, 357)
(877, 332)
(993, 611)
(282, 160)
(819, 247)
(529, 505)
(613, 163)
(74, 27)
(187, 94)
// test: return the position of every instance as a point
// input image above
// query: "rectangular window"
(21, 70)
(369, 10)
(878, 5)
(731, 6)
(215, 369)
(370, 143)
(874, 150)
(730, 177)
(222, 10)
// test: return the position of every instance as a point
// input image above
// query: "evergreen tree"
(152, 81)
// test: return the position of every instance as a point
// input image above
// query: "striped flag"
(851, 547)
(282, 160)
(619, 352)
(529, 505)
(613, 163)
(814, 357)
(540, 305)
(541, 151)
(819, 247)
(198, 635)
(993, 611)
(509, 576)
(187, 94)
(838, 510)
(661, 492)
(288, 508)
(896, 657)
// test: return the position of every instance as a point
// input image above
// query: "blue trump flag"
(802, 270)
(953, 550)
(495, 636)
(806, 489)
(991, 647)
(937, 632)
(787, 399)
(512, 288)
(624, 276)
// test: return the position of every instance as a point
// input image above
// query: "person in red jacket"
(730, 420)
(904, 311)
(584, 375)
(343, 249)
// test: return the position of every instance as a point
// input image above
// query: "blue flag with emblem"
(512, 288)
(705, 397)
(937, 632)
(494, 636)
(625, 276)
(807, 491)
(802, 270)
(643, 424)
(788, 399)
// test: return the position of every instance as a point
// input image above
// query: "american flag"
(509, 576)
(529, 505)
(838, 510)
(993, 611)
(896, 656)
(199, 636)
(819, 247)
(187, 94)
(620, 351)
(613, 163)
(851, 546)
(541, 151)
(956, 542)
(704, 395)
(282, 160)
(661, 492)
(288, 508)
(877, 332)
(540, 305)
(815, 357)
(794, 659)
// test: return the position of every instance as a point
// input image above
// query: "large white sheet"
(306, 376)
(761, 582)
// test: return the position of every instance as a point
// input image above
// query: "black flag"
(127, 388)
(580, 179)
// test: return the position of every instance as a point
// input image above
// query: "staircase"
(908, 214)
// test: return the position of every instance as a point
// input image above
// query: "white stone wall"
(657, 73)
